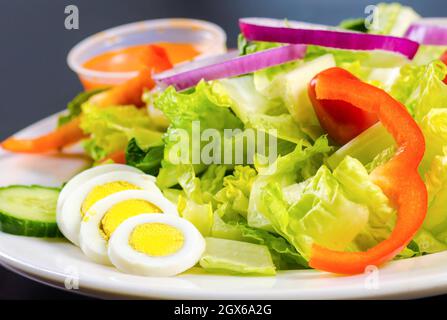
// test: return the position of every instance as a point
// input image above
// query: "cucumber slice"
(29, 211)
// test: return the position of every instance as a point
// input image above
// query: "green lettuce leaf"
(434, 128)
(183, 109)
(354, 178)
(74, 106)
(237, 257)
(148, 161)
(113, 127)
(196, 204)
(247, 47)
(233, 198)
(290, 87)
(355, 24)
(420, 88)
(296, 166)
(365, 147)
(343, 210)
(392, 19)
(284, 255)
(326, 217)
(436, 183)
(255, 110)
(427, 54)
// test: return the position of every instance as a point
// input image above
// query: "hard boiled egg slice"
(103, 218)
(155, 245)
(87, 194)
(88, 174)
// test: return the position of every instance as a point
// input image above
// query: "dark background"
(35, 80)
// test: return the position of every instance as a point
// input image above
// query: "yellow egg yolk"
(102, 191)
(156, 239)
(122, 211)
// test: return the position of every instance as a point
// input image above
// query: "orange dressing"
(133, 58)
(178, 52)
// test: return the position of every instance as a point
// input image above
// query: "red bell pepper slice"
(398, 178)
(444, 59)
(341, 120)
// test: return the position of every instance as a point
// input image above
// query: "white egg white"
(88, 174)
(128, 260)
(69, 217)
(91, 241)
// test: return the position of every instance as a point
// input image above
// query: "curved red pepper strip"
(398, 178)
(444, 59)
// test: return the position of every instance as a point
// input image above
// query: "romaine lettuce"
(420, 88)
(148, 161)
(343, 210)
(183, 109)
(296, 166)
(113, 127)
(231, 256)
(196, 205)
(255, 110)
(233, 198)
(392, 19)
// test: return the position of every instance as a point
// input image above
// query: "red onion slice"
(228, 65)
(431, 31)
(272, 30)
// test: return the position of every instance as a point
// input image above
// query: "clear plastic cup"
(206, 37)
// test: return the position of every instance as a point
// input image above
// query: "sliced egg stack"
(118, 216)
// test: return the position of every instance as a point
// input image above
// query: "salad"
(309, 147)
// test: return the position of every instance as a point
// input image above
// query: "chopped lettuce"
(424, 242)
(233, 198)
(381, 158)
(392, 19)
(296, 166)
(247, 47)
(237, 257)
(365, 147)
(184, 110)
(436, 182)
(420, 88)
(74, 106)
(434, 128)
(343, 210)
(284, 255)
(354, 24)
(384, 18)
(291, 87)
(255, 110)
(148, 161)
(428, 243)
(196, 205)
(427, 54)
(354, 178)
(113, 127)
(323, 215)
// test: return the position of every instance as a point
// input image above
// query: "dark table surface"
(35, 80)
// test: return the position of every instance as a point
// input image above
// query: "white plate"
(58, 263)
